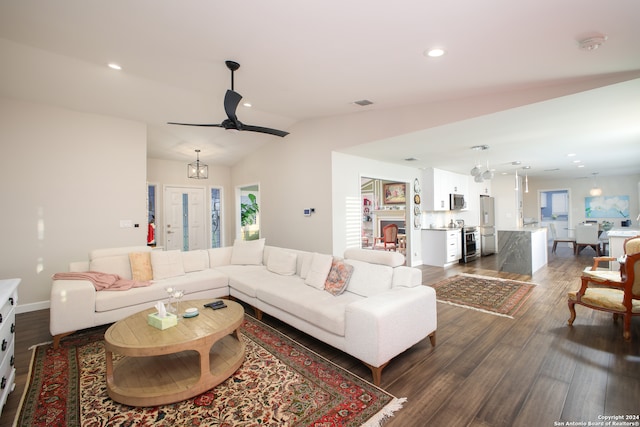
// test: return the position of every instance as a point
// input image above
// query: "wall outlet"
(126, 223)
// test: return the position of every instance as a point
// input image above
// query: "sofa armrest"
(380, 327)
(73, 304)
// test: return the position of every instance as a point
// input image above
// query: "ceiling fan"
(231, 101)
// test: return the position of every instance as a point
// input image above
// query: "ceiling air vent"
(363, 102)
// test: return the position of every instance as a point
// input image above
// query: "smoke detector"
(593, 42)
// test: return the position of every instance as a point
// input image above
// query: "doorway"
(184, 214)
(555, 212)
(383, 202)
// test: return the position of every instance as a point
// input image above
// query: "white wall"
(166, 172)
(66, 181)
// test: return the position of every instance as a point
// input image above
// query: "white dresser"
(8, 303)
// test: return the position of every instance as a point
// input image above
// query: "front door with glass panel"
(184, 212)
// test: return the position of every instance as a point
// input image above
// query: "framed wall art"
(394, 193)
(606, 207)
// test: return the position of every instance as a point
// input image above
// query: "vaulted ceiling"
(304, 60)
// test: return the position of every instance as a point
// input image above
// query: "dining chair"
(587, 235)
(556, 239)
(616, 292)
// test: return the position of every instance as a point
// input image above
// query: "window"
(216, 217)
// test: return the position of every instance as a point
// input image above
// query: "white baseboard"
(35, 306)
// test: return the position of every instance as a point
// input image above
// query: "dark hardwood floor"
(485, 370)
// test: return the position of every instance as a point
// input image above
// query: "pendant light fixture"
(477, 173)
(595, 190)
(517, 183)
(197, 170)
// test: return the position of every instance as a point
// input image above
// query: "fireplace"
(384, 222)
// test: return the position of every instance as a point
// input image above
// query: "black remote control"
(216, 304)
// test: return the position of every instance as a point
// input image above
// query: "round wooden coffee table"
(171, 365)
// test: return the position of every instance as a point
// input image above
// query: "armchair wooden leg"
(627, 327)
(57, 338)
(432, 338)
(376, 372)
(572, 310)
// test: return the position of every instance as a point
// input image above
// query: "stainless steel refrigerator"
(487, 226)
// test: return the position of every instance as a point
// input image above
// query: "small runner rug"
(281, 383)
(502, 297)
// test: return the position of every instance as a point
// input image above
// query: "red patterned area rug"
(281, 383)
(502, 297)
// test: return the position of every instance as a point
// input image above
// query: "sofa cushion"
(282, 262)
(392, 259)
(141, 266)
(246, 278)
(197, 281)
(369, 279)
(305, 265)
(247, 252)
(319, 270)
(320, 308)
(166, 264)
(116, 264)
(195, 260)
(338, 277)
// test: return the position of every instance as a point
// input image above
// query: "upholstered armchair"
(389, 239)
(616, 292)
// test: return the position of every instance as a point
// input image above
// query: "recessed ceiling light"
(114, 66)
(435, 52)
(580, 166)
(577, 161)
(516, 163)
(247, 104)
(480, 147)
(571, 155)
(410, 159)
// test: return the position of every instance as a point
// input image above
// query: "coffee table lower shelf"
(170, 378)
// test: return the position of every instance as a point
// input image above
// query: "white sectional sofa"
(383, 310)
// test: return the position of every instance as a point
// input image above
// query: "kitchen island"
(522, 250)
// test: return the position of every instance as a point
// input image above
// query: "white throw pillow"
(166, 264)
(197, 260)
(319, 270)
(117, 264)
(282, 262)
(247, 252)
(369, 279)
(306, 264)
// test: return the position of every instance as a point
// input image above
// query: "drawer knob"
(0, 317)
(13, 327)
(13, 360)
(4, 345)
(11, 300)
(3, 384)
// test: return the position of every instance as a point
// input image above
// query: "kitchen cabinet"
(438, 185)
(441, 247)
(8, 303)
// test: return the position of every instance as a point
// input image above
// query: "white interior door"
(184, 213)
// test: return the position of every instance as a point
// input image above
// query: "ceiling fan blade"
(231, 101)
(260, 129)
(195, 124)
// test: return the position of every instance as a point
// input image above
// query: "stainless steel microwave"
(456, 201)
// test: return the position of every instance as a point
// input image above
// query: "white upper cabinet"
(438, 185)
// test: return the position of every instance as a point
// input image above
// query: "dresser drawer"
(7, 334)
(7, 375)
(7, 306)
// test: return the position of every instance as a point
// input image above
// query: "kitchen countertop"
(525, 229)
(442, 228)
